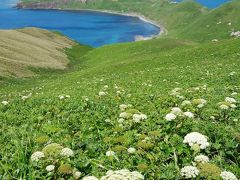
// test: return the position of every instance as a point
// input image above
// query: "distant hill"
(31, 47)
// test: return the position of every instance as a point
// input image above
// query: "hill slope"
(31, 47)
(80, 110)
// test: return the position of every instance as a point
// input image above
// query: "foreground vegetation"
(111, 113)
(167, 108)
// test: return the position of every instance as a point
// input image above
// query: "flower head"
(189, 172)
(122, 175)
(189, 114)
(195, 138)
(201, 159)
(66, 152)
(110, 153)
(226, 175)
(170, 117)
(37, 156)
(90, 178)
(5, 103)
(50, 168)
(131, 150)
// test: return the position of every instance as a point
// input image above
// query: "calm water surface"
(209, 3)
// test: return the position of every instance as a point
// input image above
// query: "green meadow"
(166, 108)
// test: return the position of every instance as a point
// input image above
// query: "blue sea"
(209, 3)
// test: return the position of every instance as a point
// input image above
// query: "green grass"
(143, 74)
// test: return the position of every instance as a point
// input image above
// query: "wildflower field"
(159, 109)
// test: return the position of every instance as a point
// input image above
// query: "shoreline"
(163, 30)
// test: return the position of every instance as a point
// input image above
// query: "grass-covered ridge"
(81, 110)
(24, 49)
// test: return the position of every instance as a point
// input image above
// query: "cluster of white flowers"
(137, 118)
(226, 175)
(66, 152)
(77, 174)
(90, 178)
(50, 168)
(195, 138)
(228, 103)
(26, 97)
(189, 114)
(199, 102)
(123, 174)
(232, 73)
(123, 107)
(235, 34)
(178, 112)
(170, 117)
(189, 172)
(110, 153)
(186, 102)
(201, 159)
(102, 93)
(176, 92)
(63, 96)
(131, 150)
(37, 156)
(5, 103)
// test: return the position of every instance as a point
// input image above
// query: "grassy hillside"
(80, 110)
(187, 20)
(132, 105)
(25, 49)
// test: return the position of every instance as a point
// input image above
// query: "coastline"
(163, 30)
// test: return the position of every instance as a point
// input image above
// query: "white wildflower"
(233, 106)
(201, 159)
(90, 178)
(123, 174)
(189, 172)
(101, 93)
(5, 103)
(170, 117)
(226, 175)
(131, 150)
(121, 120)
(77, 174)
(26, 97)
(110, 153)
(138, 117)
(124, 115)
(61, 97)
(186, 102)
(234, 94)
(195, 138)
(66, 152)
(223, 107)
(50, 168)
(123, 107)
(37, 156)
(230, 100)
(176, 111)
(189, 114)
